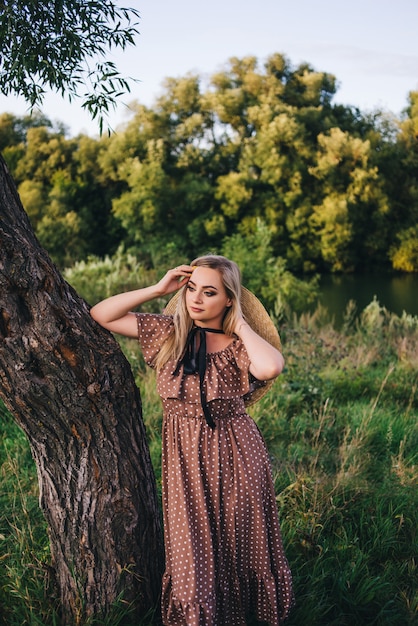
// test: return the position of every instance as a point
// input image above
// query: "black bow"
(194, 361)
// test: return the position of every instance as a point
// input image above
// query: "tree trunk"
(71, 390)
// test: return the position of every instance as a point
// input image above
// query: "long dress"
(224, 552)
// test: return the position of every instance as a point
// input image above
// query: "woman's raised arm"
(116, 313)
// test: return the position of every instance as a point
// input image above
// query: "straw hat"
(259, 320)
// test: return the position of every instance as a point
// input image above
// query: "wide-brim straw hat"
(259, 320)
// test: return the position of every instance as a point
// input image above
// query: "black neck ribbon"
(194, 361)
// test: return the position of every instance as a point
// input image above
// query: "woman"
(224, 554)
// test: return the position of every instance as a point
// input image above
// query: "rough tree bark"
(71, 390)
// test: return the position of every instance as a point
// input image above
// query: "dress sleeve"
(228, 376)
(153, 330)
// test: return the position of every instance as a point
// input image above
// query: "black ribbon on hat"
(194, 361)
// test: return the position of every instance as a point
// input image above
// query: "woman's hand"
(174, 279)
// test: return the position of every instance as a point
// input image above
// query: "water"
(397, 293)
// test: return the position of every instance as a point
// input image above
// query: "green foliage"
(51, 45)
(203, 165)
(336, 189)
(97, 279)
(63, 190)
(351, 216)
(13, 129)
(405, 255)
(344, 445)
(281, 292)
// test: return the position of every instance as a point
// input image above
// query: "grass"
(342, 431)
(25, 572)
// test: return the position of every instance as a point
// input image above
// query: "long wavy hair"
(173, 347)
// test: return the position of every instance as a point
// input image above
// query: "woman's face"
(206, 298)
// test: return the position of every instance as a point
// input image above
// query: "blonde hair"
(173, 347)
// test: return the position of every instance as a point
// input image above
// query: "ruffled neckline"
(229, 347)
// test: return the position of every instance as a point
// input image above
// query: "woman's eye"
(208, 294)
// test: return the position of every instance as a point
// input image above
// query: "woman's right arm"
(115, 313)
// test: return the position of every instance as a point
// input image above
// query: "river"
(396, 293)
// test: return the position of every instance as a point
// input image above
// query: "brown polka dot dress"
(224, 553)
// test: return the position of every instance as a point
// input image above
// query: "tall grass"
(342, 430)
(25, 572)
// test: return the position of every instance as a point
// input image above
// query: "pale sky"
(371, 46)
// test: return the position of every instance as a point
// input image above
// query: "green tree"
(34, 198)
(13, 129)
(403, 161)
(205, 163)
(350, 220)
(63, 189)
(404, 254)
(255, 143)
(69, 386)
(59, 229)
(47, 189)
(165, 158)
(281, 110)
(64, 46)
(13, 132)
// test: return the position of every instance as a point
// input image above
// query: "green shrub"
(96, 279)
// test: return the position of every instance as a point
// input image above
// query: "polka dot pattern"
(224, 552)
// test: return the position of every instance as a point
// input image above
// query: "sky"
(371, 47)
